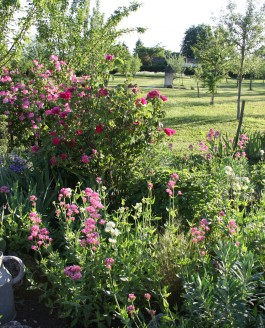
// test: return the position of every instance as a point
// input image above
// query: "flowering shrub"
(98, 261)
(79, 123)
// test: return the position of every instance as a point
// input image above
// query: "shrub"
(78, 123)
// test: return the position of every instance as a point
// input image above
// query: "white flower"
(110, 226)
(229, 170)
(262, 152)
(113, 241)
(115, 232)
(246, 180)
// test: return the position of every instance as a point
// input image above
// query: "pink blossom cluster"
(40, 236)
(33, 200)
(131, 308)
(140, 102)
(109, 261)
(109, 57)
(232, 226)
(155, 94)
(4, 190)
(73, 271)
(91, 236)
(213, 135)
(199, 233)
(169, 131)
(172, 184)
(243, 141)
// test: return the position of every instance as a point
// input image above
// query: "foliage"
(99, 260)
(177, 63)
(70, 31)
(148, 54)
(192, 35)
(213, 52)
(79, 123)
(245, 32)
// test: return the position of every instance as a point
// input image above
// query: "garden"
(121, 224)
(130, 204)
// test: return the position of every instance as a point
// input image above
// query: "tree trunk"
(198, 90)
(212, 99)
(250, 85)
(240, 77)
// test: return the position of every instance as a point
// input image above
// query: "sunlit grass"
(192, 116)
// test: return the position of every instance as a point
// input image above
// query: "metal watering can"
(7, 305)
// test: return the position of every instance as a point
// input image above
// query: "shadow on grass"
(197, 120)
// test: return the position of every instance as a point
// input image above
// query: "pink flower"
(140, 102)
(4, 190)
(153, 94)
(109, 262)
(131, 297)
(169, 131)
(147, 296)
(73, 271)
(85, 159)
(109, 57)
(164, 98)
(65, 95)
(131, 309)
(53, 58)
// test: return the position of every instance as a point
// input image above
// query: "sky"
(166, 20)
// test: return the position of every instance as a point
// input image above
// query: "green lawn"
(192, 117)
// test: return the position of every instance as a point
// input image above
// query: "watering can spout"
(7, 305)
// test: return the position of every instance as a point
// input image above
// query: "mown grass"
(192, 117)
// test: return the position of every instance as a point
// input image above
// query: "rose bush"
(79, 123)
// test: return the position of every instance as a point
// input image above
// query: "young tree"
(213, 54)
(246, 32)
(253, 67)
(177, 62)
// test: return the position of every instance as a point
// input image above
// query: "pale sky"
(166, 20)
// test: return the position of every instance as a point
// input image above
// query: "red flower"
(169, 131)
(99, 128)
(79, 132)
(65, 95)
(103, 92)
(63, 156)
(56, 141)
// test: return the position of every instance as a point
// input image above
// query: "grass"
(192, 117)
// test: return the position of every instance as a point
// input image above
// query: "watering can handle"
(21, 268)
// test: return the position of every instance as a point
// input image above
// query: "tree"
(213, 53)
(191, 37)
(75, 35)
(130, 65)
(253, 66)
(15, 24)
(246, 32)
(147, 54)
